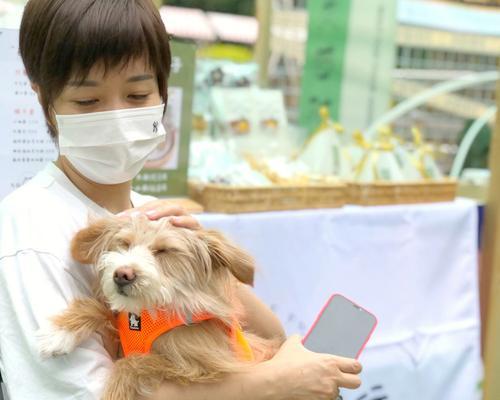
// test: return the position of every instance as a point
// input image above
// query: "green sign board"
(349, 61)
(322, 76)
(165, 173)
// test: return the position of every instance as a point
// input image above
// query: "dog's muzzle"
(124, 277)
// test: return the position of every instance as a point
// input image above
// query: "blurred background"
(426, 42)
(428, 49)
(348, 145)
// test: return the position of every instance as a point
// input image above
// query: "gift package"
(245, 156)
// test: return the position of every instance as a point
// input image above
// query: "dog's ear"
(89, 242)
(225, 254)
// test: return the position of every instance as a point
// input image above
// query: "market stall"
(413, 266)
(322, 155)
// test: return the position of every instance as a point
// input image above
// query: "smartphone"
(342, 328)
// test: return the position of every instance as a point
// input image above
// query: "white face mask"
(111, 147)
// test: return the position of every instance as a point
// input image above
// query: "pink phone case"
(357, 305)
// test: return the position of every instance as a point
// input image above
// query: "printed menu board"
(26, 146)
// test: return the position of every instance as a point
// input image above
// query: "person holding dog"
(100, 70)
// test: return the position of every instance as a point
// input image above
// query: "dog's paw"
(53, 341)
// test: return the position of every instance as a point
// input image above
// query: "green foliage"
(243, 7)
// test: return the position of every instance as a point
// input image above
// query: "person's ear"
(36, 89)
(50, 113)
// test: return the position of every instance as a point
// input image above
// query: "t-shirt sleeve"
(33, 287)
(139, 199)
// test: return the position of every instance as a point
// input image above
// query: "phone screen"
(342, 329)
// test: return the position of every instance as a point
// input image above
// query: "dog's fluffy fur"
(181, 270)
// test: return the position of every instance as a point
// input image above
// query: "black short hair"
(63, 39)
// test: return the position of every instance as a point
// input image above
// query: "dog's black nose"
(124, 276)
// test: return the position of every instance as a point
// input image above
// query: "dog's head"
(146, 264)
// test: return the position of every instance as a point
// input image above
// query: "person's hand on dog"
(161, 208)
(311, 375)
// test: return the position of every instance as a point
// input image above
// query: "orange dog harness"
(138, 332)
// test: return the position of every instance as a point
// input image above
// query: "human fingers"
(347, 365)
(345, 371)
(186, 221)
(165, 210)
(155, 210)
(348, 381)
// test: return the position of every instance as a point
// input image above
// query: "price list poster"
(25, 144)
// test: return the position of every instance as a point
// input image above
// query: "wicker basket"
(383, 193)
(231, 200)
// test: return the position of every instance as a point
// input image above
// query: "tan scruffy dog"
(153, 274)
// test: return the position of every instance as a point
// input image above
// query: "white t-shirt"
(38, 278)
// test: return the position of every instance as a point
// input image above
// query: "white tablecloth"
(414, 266)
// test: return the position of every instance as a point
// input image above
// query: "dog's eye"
(123, 243)
(159, 252)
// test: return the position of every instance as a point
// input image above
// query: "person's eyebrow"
(89, 83)
(86, 83)
(139, 78)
